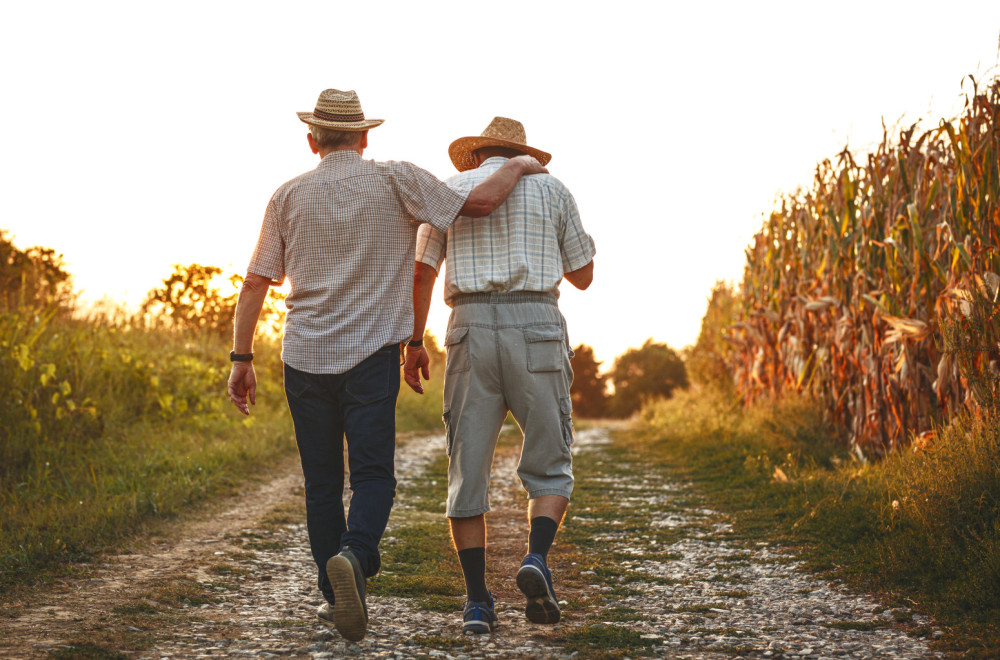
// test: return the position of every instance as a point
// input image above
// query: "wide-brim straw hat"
(501, 132)
(339, 110)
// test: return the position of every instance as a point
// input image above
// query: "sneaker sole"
(477, 627)
(541, 606)
(348, 611)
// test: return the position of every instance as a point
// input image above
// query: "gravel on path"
(708, 594)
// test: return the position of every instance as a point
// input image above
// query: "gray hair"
(330, 138)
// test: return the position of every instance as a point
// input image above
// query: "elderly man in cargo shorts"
(344, 236)
(507, 350)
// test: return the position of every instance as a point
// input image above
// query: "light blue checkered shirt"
(525, 245)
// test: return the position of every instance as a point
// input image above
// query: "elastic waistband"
(505, 297)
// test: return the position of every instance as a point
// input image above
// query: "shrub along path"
(642, 571)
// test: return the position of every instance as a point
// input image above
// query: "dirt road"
(643, 573)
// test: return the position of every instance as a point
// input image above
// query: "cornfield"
(876, 290)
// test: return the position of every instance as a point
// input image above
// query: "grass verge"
(108, 427)
(113, 427)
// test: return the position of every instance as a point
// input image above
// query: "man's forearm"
(248, 307)
(581, 277)
(423, 287)
(491, 193)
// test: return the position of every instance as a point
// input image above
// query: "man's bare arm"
(581, 277)
(243, 379)
(491, 193)
(417, 361)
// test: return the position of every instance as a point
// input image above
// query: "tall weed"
(102, 426)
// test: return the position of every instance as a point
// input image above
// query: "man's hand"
(417, 363)
(530, 164)
(243, 385)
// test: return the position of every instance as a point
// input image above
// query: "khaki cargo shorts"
(507, 352)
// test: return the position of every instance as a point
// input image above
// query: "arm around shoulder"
(491, 193)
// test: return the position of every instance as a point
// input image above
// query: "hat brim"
(461, 150)
(363, 125)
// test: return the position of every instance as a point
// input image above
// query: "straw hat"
(501, 132)
(339, 110)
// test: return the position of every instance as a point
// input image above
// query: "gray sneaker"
(325, 613)
(350, 615)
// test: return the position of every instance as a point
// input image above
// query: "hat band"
(329, 116)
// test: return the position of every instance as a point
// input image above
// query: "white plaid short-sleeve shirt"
(344, 236)
(525, 245)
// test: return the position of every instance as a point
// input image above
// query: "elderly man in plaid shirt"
(507, 350)
(344, 236)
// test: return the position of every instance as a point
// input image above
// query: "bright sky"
(137, 135)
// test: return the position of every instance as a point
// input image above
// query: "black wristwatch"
(240, 357)
(415, 343)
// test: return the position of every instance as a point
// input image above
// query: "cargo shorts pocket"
(566, 414)
(456, 348)
(449, 433)
(544, 346)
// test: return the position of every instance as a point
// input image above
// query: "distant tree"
(188, 300)
(32, 278)
(642, 374)
(589, 390)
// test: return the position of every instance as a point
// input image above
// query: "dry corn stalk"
(848, 286)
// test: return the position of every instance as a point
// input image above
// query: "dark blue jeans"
(361, 405)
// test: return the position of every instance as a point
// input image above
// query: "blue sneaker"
(479, 616)
(535, 582)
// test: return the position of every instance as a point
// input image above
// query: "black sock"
(542, 534)
(473, 562)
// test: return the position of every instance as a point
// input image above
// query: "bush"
(644, 374)
(589, 390)
(32, 279)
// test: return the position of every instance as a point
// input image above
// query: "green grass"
(419, 563)
(605, 641)
(443, 643)
(138, 609)
(86, 652)
(921, 528)
(111, 427)
(418, 560)
(107, 427)
(420, 413)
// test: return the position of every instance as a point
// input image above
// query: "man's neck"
(323, 153)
